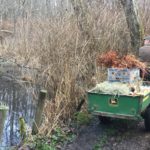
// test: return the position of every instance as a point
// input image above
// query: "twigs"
(108, 59)
(112, 59)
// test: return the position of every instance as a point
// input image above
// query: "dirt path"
(118, 135)
(87, 137)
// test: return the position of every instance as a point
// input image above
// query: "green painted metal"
(145, 102)
(121, 106)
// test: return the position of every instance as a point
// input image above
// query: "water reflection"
(21, 103)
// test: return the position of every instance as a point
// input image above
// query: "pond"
(21, 100)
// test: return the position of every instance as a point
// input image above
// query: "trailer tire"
(147, 119)
(104, 120)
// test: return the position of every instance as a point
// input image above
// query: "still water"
(21, 102)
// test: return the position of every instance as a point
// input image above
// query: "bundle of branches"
(112, 59)
(108, 59)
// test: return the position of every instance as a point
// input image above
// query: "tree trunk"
(134, 25)
(80, 9)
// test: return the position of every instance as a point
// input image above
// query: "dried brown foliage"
(112, 59)
(108, 59)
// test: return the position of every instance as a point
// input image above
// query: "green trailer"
(107, 106)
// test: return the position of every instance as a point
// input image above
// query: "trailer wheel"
(147, 119)
(104, 120)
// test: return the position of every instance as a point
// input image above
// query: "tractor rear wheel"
(104, 120)
(147, 119)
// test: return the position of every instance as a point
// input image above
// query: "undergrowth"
(115, 132)
(58, 138)
(82, 118)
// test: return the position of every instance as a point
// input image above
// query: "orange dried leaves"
(107, 59)
(112, 59)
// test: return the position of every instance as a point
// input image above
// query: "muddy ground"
(117, 135)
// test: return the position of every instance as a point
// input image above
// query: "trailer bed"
(118, 106)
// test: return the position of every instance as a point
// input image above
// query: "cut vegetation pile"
(112, 59)
(113, 88)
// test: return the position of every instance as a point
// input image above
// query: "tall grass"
(66, 61)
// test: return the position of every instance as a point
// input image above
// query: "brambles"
(59, 137)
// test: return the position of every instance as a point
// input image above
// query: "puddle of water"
(21, 103)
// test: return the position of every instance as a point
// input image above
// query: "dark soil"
(117, 135)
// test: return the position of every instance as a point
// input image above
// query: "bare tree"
(133, 22)
(81, 12)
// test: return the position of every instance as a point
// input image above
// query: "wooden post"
(2, 121)
(3, 112)
(39, 111)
